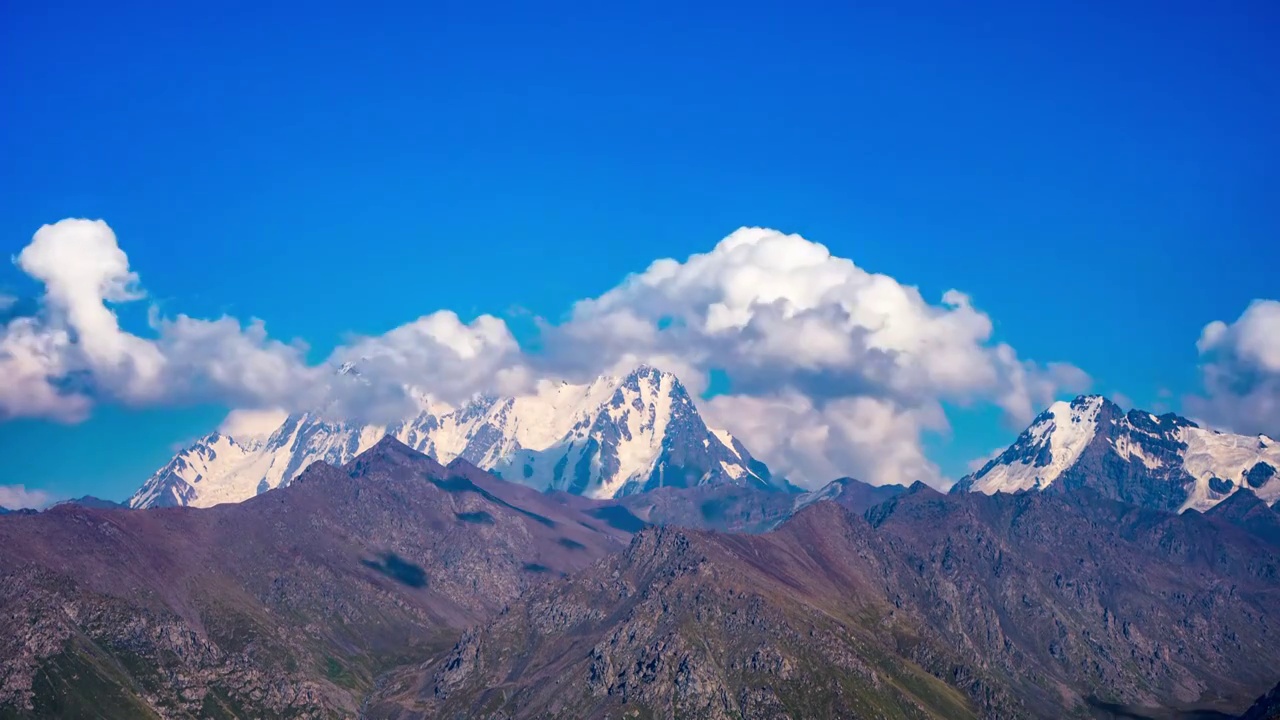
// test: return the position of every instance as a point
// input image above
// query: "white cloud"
(15, 497)
(770, 307)
(1240, 371)
(82, 269)
(834, 370)
(872, 439)
(250, 424)
(7, 301)
(856, 362)
(439, 352)
(1124, 401)
(74, 353)
(32, 360)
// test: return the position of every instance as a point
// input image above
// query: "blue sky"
(1102, 180)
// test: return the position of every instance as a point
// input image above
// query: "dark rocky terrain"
(726, 507)
(1077, 600)
(287, 605)
(90, 501)
(1031, 605)
(689, 623)
(1245, 510)
(394, 587)
(1266, 708)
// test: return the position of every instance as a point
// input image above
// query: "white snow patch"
(734, 470)
(1127, 448)
(1067, 432)
(1228, 457)
(526, 439)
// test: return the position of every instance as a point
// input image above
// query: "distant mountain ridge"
(1160, 461)
(397, 587)
(610, 437)
(1023, 606)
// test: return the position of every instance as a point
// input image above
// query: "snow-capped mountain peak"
(1163, 461)
(1054, 440)
(607, 437)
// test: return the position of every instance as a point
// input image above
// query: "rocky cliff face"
(1165, 462)
(1244, 510)
(613, 436)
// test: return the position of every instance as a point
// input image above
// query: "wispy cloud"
(1240, 370)
(15, 497)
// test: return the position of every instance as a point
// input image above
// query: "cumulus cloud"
(82, 269)
(834, 370)
(440, 352)
(773, 308)
(1240, 371)
(33, 364)
(857, 362)
(869, 438)
(15, 497)
(74, 352)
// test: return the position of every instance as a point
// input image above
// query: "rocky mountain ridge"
(1158, 461)
(397, 587)
(287, 605)
(927, 606)
(613, 436)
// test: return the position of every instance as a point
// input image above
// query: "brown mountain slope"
(725, 507)
(287, 605)
(1029, 606)
(1078, 600)
(695, 624)
(1247, 511)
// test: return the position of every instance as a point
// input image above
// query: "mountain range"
(612, 436)
(397, 587)
(289, 604)
(618, 436)
(925, 606)
(1165, 461)
(598, 551)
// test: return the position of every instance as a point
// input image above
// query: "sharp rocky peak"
(614, 435)
(389, 452)
(1163, 461)
(389, 446)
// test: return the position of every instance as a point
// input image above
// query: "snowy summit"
(1155, 460)
(612, 436)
